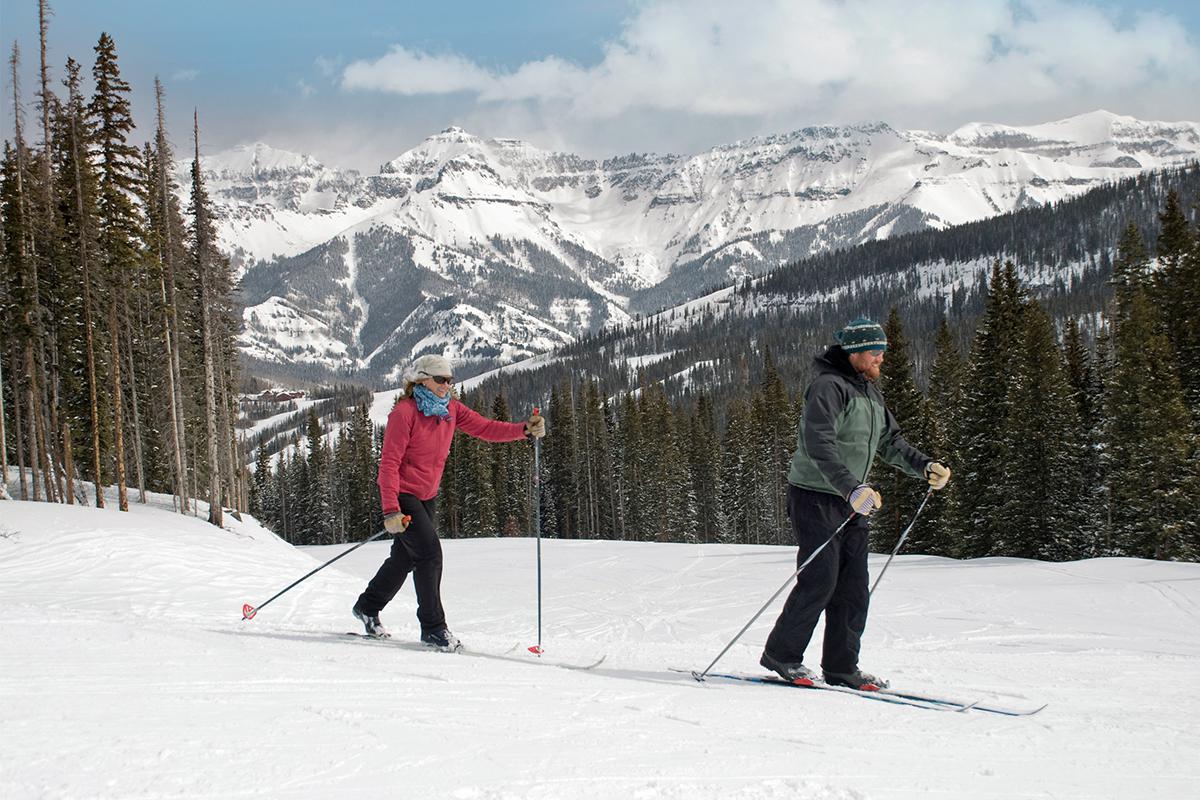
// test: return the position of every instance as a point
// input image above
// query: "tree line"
(1062, 447)
(117, 325)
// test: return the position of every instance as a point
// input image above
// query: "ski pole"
(537, 526)
(700, 675)
(900, 543)
(248, 611)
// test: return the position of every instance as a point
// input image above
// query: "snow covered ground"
(126, 672)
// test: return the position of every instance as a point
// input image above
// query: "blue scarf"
(430, 404)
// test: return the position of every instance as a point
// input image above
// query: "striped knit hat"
(861, 334)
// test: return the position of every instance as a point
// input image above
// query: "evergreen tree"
(901, 493)
(778, 431)
(986, 410)
(737, 474)
(119, 226)
(560, 459)
(1149, 437)
(938, 530)
(670, 506)
(1082, 380)
(1042, 445)
(1169, 289)
(478, 493)
(704, 455)
(510, 477)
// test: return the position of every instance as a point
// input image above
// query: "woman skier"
(416, 443)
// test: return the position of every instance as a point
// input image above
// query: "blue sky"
(358, 82)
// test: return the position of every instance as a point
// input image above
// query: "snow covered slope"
(492, 250)
(128, 673)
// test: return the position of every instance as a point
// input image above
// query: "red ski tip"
(536, 650)
(804, 682)
(868, 687)
(248, 611)
(537, 410)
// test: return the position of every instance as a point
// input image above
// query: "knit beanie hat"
(861, 334)
(428, 366)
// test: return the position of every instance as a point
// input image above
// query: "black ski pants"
(835, 582)
(419, 551)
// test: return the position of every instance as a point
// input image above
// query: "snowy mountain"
(492, 250)
(129, 673)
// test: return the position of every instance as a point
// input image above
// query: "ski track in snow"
(127, 673)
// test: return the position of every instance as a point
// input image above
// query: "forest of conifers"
(1062, 446)
(1070, 416)
(117, 320)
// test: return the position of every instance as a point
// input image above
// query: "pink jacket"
(415, 447)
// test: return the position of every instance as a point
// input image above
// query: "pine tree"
(987, 410)
(902, 494)
(560, 462)
(704, 455)
(119, 224)
(206, 266)
(737, 475)
(1042, 445)
(779, 441)
(478, 498)
(84, 363)
(1082, 379)
(628, 440)
(1168, 288)
(669, 509)
(509, 476)
(1149, 437)
(165, 232)
(939, 528)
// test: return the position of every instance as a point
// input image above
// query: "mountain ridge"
(499, 233)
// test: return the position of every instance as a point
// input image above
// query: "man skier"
(845, 423)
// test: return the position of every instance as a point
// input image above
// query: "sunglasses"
(441, 380)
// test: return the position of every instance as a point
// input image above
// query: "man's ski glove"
(938, 474)
(396, 522)
(535, 426)
(865, 500)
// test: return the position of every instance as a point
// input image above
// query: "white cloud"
(916, 62)
(328, 66)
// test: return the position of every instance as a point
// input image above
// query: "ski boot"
(374, 628)
(790, 671)
(442, 639)
(862, 681)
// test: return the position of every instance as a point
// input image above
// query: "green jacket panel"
(845, 424)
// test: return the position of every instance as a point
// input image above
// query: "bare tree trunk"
(89, 343)
(170, 310)
(31, 432)
(210, 412)
(3, 430)
(118, 423)
(208, 333)
(133, 404)
(224, 426)
(176, 445)
(49, 363)
(68, 463)
(18, 434)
